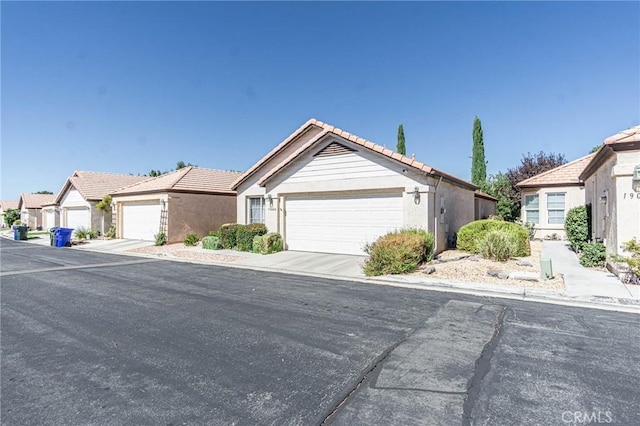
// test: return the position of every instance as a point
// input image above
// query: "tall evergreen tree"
(401, 148)
(478, 163)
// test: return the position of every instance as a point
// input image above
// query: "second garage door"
(141, 221)
(340, 223)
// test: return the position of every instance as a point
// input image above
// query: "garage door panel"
(78, 218)
(340, 223)
(141, 221)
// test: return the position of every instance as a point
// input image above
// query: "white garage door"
(340, 223)
(49, 219)
(77, 218)
(141, 221)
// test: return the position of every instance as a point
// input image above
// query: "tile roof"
(328, 129)
(484, 195)
(187, 179)
(35, 201)
(8, 205)
(630, 135)
(95, 185)
(566, 174)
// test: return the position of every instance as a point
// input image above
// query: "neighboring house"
(30, 206)
(484, 205)
(547, 197)
(326, 190)
(81, 191)
(189, 200)
(4, 206)
(612, 187)
(50, 215)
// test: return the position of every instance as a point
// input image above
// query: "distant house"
(78, 197)
(4, 206)
(30, 206)
(548, 196)
(327, 190)
(50, 215)
(189, 200)
(612, 187)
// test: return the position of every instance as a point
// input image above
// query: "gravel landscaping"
(461, 266)
(187, 252)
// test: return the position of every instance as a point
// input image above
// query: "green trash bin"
(23, 232)
(52, 236)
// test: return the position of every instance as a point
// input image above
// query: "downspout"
(435, 215)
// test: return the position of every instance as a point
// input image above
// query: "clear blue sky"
(129, 87)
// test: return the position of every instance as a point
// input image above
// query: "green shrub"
(267, 243)
(161, 238)
(470, 235)
(212, 234)
(577, 225)
(497, 245)
(632, 261)
(81, 233)
(111, 233)
(191, 239)
(245, 234)
(17, 222)
(593, 254)
(211, 243)
(227, 235)
(398, 252)
(93, 233)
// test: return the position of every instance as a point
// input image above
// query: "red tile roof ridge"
(631, 134)
(533, 179)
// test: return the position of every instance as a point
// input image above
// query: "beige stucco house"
(327, 190)
(612, 187)
(30, 206)
(189, 200)
(548, 196)
(76, 201)
(4, 206)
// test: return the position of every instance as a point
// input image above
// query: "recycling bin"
(63, 237)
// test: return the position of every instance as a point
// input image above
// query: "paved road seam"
(72, 267)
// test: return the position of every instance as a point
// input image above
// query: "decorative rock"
(498, 274)
(524, 276)
(523, 263)
(428, 271)
(475, 258)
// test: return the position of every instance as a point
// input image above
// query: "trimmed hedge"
(577, 225)
(211, 243)
(227, 235)
(470, 235)
(593, 254)
(399, 252)
(246, 233)
(267, 243)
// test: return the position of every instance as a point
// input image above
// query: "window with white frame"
(256, 210)
(555, 208)
(532, 209)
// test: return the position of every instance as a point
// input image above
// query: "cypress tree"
(401, 148)
(478, 163)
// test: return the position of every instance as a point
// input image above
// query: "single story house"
(189, 200)
(30, 206)
(81, 191)
(548, 196)
(326, 190)
(612, 187)
(4, 206)
(50, 215)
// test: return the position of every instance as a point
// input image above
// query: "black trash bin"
(53, 233)
(22, 233)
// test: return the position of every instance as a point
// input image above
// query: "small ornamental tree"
(478, 163)
(11, 215)
(401, 148)
(577, 225)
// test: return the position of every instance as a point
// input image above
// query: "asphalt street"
(91, 338)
